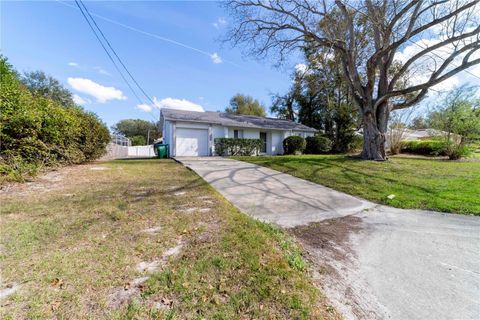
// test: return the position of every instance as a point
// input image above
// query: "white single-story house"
(192, 133)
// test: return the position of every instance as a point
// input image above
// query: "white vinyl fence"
(141, 151)
(115, 151)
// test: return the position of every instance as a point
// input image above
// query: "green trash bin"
(162, 150)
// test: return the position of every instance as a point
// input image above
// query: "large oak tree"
(370, 37)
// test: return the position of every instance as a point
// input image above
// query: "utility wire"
(153, 35)
(115, 53)
(108, 53)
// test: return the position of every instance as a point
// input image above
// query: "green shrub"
(344, 141)
(16, 168)
(36, 131)
(294, 145)
(425, 147)
(456, 151)
(138, 140)
(356, 144)
(318, 144)
(237, 146)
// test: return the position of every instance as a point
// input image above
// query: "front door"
(263, 137)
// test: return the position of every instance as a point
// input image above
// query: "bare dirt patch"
(330, 235)
(124, 294)
(148, 266)
(330, 248)
(48, 181)
(85, 231)
(8, 289)
(152, 230)
(98, 168)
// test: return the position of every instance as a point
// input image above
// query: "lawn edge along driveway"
(402, 181)
(144, 239)
(374, 261)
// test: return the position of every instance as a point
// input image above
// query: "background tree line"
(40, 125)
(366, 36)
(140, 132)
(454, 121)
(320, 98)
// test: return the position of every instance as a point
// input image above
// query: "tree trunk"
(374, 133)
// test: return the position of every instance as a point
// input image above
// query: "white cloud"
(99, 92)
(73, 64)
(476, 70)
(144, 107)
(221, 22)
(180, 104)
(447, 84)
(102, 71)
(300, 68)
(79, 100)
(421, 70)
(216, 58)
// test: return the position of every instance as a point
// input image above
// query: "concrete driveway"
(373, 261)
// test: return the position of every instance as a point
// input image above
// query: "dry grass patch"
(74, 245)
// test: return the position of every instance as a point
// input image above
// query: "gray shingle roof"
(232, 120)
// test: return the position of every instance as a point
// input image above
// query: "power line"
(115, 53)
(153, 35)
(108, 53)
(111, 58)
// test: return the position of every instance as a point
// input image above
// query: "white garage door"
(191, 142)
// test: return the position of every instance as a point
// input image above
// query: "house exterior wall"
(274, 137)
(218, 132)
(251, 133)
(183, 124)
(167, 135)
(302, 134)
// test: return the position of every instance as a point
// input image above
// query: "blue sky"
(171, 47)
(54, 37)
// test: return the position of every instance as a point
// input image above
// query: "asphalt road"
(373, 261)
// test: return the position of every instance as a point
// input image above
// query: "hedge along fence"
(237, 146)
(425, 147)
(36, 131)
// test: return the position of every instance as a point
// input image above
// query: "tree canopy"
(458, 112)
(320, 98)
(135, 128)
(43, 85)
(243, 104)
(37, 130)
(368, 37)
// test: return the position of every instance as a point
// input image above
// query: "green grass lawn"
(73, 243)
(442, 185)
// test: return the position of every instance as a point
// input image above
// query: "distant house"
(191, 133)
(404, 134)
(422, 134)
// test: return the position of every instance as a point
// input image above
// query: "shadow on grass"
(293, 166)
